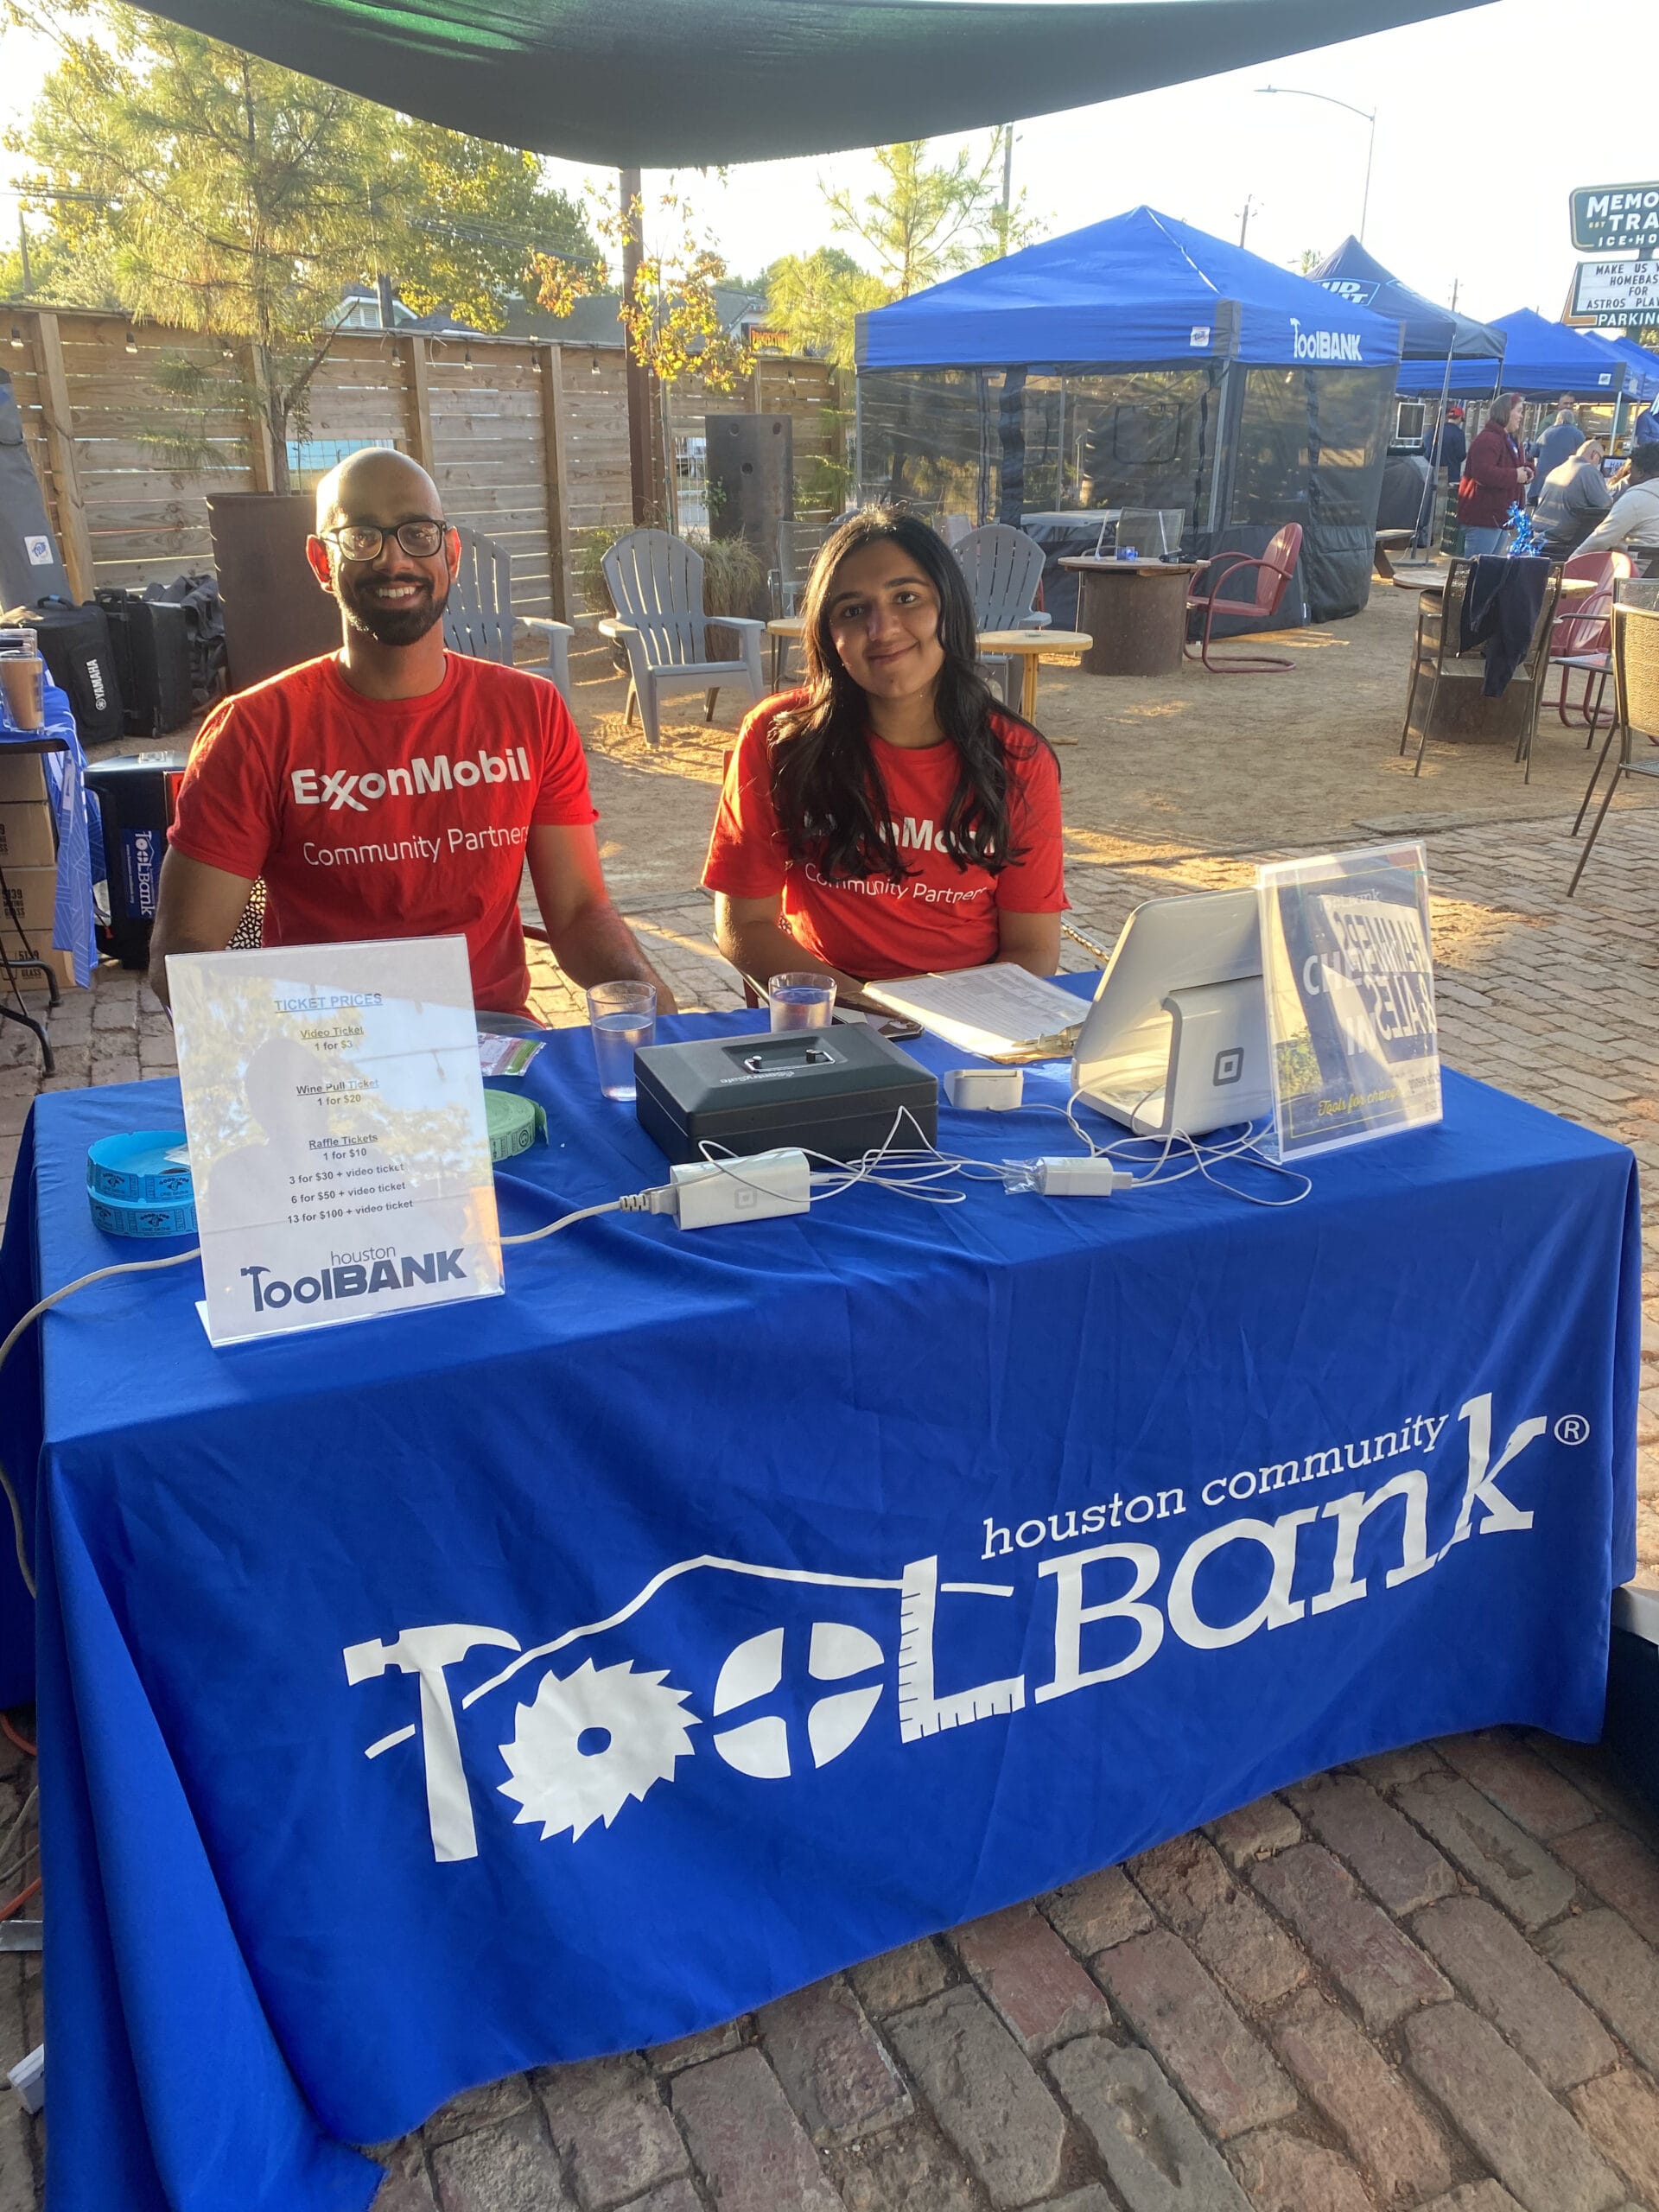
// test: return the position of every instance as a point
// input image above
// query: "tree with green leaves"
(816, 296)
(205, 187)
(925, 220)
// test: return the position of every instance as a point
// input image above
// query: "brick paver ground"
(1429, 1980)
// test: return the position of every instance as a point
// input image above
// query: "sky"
(1468, 185)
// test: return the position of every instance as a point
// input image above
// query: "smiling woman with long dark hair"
(888, 818)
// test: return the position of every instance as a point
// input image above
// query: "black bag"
(151, 647)
(76, 645)
(204, 623)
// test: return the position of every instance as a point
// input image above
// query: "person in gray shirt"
(1574, 501)
(1559, 443)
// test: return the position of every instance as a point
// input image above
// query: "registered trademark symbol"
(1571, 1428)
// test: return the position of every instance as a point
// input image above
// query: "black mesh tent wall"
(1239, 450)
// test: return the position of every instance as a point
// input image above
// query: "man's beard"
(393, 626)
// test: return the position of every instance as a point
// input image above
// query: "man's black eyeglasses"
(362, 541)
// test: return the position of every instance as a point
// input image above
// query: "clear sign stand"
(338, 1142)
(1348, 978)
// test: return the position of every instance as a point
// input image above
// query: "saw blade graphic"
(563, 1786)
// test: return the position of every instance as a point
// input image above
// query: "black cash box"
(836, 1091)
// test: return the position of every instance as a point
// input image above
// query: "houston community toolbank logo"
(588, 1739)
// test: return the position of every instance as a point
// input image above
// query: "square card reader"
(836, 1090)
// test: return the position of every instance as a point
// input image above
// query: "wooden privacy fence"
(131, 428)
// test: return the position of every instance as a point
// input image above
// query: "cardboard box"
(29, 898)
(29, 836)
(30, 979)
(23, 777)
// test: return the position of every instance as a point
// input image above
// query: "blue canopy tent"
(1138, 363)
(1543, 359)
(1431, 336)
(1642, 368)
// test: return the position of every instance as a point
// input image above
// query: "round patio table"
(1136, 613)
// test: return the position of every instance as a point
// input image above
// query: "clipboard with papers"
(1002, 1012)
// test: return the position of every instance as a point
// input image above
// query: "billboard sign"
(1615, 293)
(1614, 218)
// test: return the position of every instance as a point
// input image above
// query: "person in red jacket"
(1495, 474)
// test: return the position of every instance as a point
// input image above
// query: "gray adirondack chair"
(656, 586)
(478, 619)
(1004, 568)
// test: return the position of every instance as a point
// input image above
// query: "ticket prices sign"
(1349, 982)
(338, 1142)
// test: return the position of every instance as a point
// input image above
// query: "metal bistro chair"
(656, 586)
(1004, 568)
(1273, 571)
(1581, 640)
(1636, 693)
(1437, 650)
(478, 621)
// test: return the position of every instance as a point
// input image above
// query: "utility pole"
(1250, 208)
(388, 308)
(1008, 182)
(638, 375)
(22, 247)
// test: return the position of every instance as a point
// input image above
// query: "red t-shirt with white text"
(942, 916)
(387, 817)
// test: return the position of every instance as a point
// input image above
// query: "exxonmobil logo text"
(337, 789)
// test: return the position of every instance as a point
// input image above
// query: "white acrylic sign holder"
(337, 1142)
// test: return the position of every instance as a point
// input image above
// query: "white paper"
(1001, 1013)
(338, 1142)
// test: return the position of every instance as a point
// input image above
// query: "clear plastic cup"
(623, 1018)
(802, 1000)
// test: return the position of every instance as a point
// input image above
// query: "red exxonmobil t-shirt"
(387, 817)
(942, 916)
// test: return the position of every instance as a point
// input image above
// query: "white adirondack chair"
(1004, 568)
(656, 586)
(478, 619)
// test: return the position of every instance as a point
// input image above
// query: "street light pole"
(1365, 115)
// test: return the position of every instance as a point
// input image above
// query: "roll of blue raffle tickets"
(140, 1185)
(515, 1123)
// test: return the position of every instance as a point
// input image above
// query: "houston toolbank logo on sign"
(578, 1743)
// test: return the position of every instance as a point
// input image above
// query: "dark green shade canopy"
(678, 84)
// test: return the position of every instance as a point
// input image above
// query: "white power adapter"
(987, 1090)
(1058, 1175)
(708, 1191)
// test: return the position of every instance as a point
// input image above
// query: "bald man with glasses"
(394, 789)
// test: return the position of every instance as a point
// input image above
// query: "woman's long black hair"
(824, 787)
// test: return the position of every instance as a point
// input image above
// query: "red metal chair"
(1582, 641)
(1273, 570)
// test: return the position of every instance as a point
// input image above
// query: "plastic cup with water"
(623, 1018)
(802, 1000)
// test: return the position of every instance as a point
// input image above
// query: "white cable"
(45, 1306)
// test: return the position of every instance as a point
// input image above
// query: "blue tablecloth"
(426, 1698)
